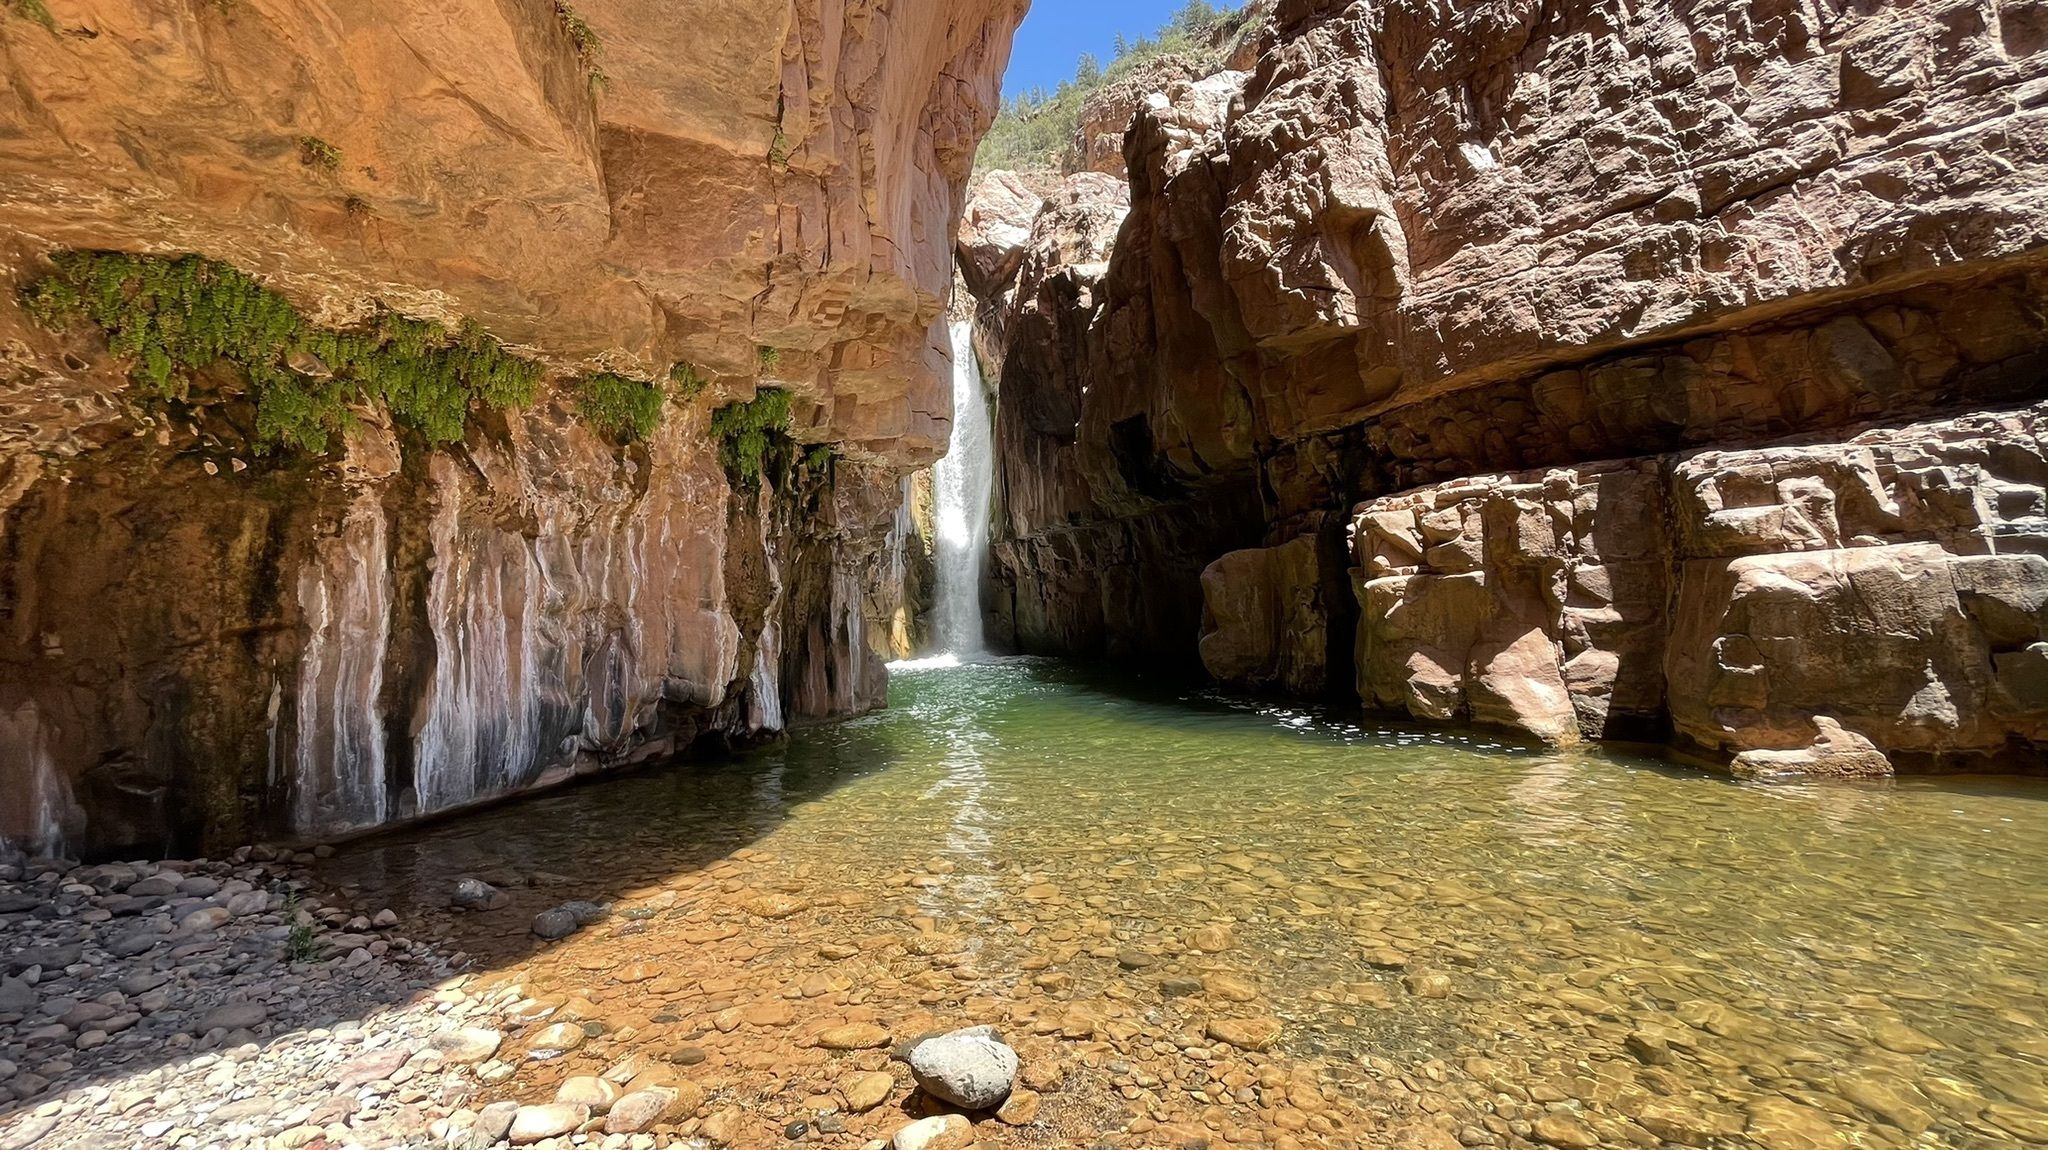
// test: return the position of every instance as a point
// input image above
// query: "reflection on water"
(1505, 940)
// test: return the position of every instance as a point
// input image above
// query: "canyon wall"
(1594, 370)
(210, 638)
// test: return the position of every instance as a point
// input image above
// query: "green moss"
(770, 358)
(175, 315)
(686, 383)
(33, 10)
(750, 434)
(818, 460)
(589, 49)
(623, 408)
(315, 152)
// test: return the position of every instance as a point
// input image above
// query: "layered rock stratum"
(1590, 369)
(211, 637)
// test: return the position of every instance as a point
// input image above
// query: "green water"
(1783, 965)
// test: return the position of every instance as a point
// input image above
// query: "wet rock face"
(1419, 242)
(208, 645)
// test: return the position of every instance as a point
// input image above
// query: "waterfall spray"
(963, 482)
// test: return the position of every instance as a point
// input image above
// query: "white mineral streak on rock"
(346, 596)
(34, 797)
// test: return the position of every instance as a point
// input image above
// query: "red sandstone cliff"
(1338, 411)
(205, 643)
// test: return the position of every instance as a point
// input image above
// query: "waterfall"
(963, 483)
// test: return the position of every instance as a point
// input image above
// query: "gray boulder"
(557, 923)
(476, 894)
(971, 1068)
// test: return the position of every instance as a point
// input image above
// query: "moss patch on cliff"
(317, 153)
(589, 49)
(686, 383)
(176, 315)
(33, 10)
(753, 436)
(623, 408)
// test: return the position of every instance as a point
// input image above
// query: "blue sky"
(1057, 31)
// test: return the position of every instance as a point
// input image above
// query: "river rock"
(533, 1123)
(466, 1046)
(375, 1066)
(1887, 1098)
(1677, 1122)
(233, 1016)
(1565, 1132)
(640, 1110)
(1899, 1038)
(1428, 984)
(1020, 1109)
(476, 894)
(1254, 1034)
(593, 1094)
(560, 1038)
(940, 1132)
(1229, 987)
(494, 1122)
(854, 1036)
(28, 1132)
(863, 1092)
(1781, 1124)
(208, 919)
(970, 1068)
(1650, 1047)
(47, 957)
(16, 996)
(558, 923)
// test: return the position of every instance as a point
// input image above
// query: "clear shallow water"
(1448, 929)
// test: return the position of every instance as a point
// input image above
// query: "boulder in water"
(971, 1068)
(476, 894)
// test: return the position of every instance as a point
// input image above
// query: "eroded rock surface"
(1800, 606)
(209, 643)
(1423, 242)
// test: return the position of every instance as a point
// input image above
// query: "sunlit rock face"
(1895, 584)
(205, 645)
(1422, 242)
